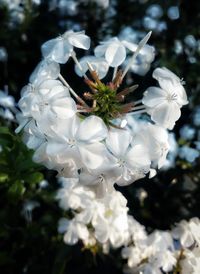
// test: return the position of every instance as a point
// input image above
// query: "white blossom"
(60, 49)
(69, 138)
(74, 231)
(164, 103)
(113, 50)
(47, 101)
(127, 158)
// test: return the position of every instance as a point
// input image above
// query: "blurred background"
(29, 241)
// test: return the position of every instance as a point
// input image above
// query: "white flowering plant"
(97, 139)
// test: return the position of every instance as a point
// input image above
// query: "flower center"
(71, 142)
(171, 97)
(121, 162)
(100, 178)
(42, 105)
(108, 213)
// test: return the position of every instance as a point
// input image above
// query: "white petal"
(92, 129)
(48, 47)
(100, 50)
(166, 114)
(187, 239)
(57, 49)
(118, 141)
(66, 128)
(101, 230)
(163, 72)
(54, 148)
(153, 96)
(129, 45)
(93, 155)
(71, 236)
(152, 173)
(82, 231)
(50, 83)
(34, 142)
(138, 156)
(45, 70)
(79, 40)
(58, 92)
(64, 108)
(115, 54)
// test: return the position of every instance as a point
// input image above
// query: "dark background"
(173, 195)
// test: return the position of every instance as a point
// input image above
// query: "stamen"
(114, 73)
(139, 107)
(121, 95)
(136, 112)
(23, 125)
(137, 102)
(88, 110)
(94, 74)
(73, 55)
(81, 101)
(139, 47)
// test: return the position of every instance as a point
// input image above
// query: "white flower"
(81, 141)
(190, 264)
(127, 159)
(163, 104)
(73, 231)
(155, 138)
(48, 101)
(60, 48)
(188, 232)
(72, 195)
(112, 224)
(98, 64)
(113, 50)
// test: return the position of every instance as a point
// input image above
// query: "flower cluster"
(165, 251)
(105, 223)
(102, 220)
(99, 139)
(99, 142)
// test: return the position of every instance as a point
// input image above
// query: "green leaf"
(17, 189)
(3, 177)
(5, 130)
(34, 178)
(6, 140)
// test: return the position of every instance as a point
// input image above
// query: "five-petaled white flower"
(163, 104)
